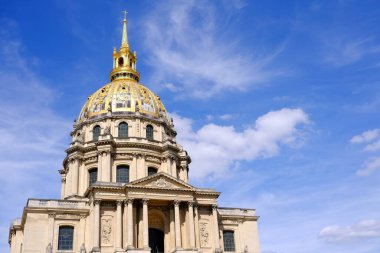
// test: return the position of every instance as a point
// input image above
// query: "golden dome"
(123, 97)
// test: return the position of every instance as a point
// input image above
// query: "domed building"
(125, 184)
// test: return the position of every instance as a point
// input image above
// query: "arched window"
(151, 171)
(121, 62)
(228, 240)
(65, 238)
(123, 130)
(96, 133)
(122, 174)
(149, 132)
(93, 175)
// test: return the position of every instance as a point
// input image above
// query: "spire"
(124, 40)
(124, 61)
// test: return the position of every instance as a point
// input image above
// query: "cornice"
(122, 115)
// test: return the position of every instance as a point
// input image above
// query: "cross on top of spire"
(125, 14)
(124, 40)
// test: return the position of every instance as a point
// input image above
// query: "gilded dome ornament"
(124, 95)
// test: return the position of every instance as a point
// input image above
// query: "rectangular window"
(93, 176)
(229, 240)
(65, 238)
(151, 171)
(122, 174)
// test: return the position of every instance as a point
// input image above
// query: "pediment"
(162, 180)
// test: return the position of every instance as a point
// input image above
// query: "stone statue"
(107, 130)
(49, 248)
(80, 136)
(137, 107)
(82, 249)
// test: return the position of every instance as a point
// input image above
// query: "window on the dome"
(122, 174)
(121, 61)
(65, 238)
(149, 132)
(93, 175)
(229, 240)
(96, 133)
(151, 171)
(123, 130)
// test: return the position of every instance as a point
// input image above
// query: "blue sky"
(277, 102)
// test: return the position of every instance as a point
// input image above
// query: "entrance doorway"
(156, 240)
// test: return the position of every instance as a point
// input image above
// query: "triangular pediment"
(162, 180)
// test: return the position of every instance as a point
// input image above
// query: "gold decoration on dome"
(124, 61)
(124, 95)
(121, 96)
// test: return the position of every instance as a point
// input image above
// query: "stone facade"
(112, 215)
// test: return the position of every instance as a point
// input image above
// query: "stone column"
(96, 225)
(106, 169)
(82, 179)
(75, 176)
(216, 228)
(125, 226)
(130, 224)
(177, 225)
(133, 168)
(174, 166)
(119, 225)
(196, 224)
(191, 225)
(145, 224)
(63, 185)
(168, 165)
(172, 228)
(100, 166)
(51, 227)
(140, 168)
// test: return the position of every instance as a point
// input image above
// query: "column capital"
(214, 206)
(176, 202)
(145, 201)
(128, 201)
(191, 203)
(119, 202)
(97, 201)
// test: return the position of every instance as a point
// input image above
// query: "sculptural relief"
(106, 230)
(204, 234)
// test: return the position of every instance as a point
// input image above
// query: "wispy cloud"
(341, 51)
(215, 148)
(196, 55)
(363, 230)
(366, 136)
(369, 167)
(33, 136)
(371, 139)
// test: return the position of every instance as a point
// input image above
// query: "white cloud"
(363, 230)
(373, 146)
(341, 50)
(188, 46)
(366, 136)
(214, 148)
(369, 167)
(225, 116)
(372, 140)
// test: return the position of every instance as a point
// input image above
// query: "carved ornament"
(106, 230)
